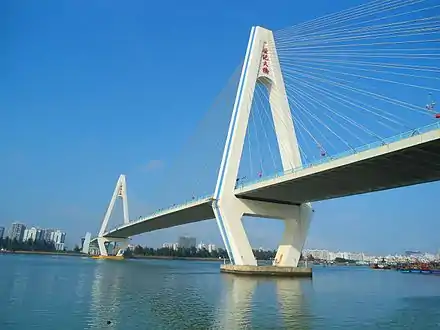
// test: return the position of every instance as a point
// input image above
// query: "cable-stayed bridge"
(337, 106)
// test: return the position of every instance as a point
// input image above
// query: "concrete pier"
(267, 270)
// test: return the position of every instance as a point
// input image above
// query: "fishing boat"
(420, 271)
(380, 265)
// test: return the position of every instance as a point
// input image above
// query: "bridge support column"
(120, 192)
(294, 237)
(121, 242)
(296, 218)
(228, 213)
(102, 247)
(296, 225)
(261, 66)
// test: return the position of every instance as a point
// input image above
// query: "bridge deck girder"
(402, 163)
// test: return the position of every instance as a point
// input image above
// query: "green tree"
(29, 245)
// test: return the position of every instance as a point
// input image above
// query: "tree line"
(193, 252)
(28, 245)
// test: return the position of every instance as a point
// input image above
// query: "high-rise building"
(47, 235)
(86, 243)
(26, 235)
(211, 247)
(35, 234)
(2, 232)
(39, 236)
(187, 242)
(58, 237)
(17, 231)
(59, 246)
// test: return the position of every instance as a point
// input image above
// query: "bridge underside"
(408, 162)
(412, 165)
(191, 213)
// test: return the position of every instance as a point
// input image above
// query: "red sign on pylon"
(265, 60)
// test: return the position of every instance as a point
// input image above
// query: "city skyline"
(140, 240)
(320, 254)
(58, 237)
(23, 233)
(63, 163)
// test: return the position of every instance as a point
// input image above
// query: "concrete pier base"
(267, 270)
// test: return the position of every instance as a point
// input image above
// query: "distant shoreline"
(78, 254)
(54, 253)
(175, 258)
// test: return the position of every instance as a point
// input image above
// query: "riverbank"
(175, 258)
(78, 254)
(54, 253)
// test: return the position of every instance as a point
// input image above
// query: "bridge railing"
(323, 160)
(347, 153)
(165, 210)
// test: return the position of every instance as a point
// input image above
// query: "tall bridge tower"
(261, 65)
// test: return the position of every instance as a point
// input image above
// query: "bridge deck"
(406, 162)
(409, 161)
(198, 210)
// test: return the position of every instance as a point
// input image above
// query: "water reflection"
(293, 306)
(20, 281)
(44, 293)
(281, 298)
(106, 295)
(178, 295)
(236, 303)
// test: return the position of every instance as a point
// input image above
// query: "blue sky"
(90, 90)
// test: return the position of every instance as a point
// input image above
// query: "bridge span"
(412, 160)
(311, 83)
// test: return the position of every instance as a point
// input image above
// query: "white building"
(208, 247)
(201, 246)
(25, 235)
(211, 247)
(48, 235)
(58, 238)
(329, 255)
(35, 234)
(317, 254)
(59, 246)
(17, 231)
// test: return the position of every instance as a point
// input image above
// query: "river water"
(55, 292)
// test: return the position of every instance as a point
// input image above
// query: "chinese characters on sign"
(120, 192)
(265, 60)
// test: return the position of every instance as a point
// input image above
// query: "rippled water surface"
(51, 292)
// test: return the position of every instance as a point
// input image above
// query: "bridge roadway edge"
(298, 272)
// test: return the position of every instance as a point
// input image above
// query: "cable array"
(354, 78)
(193, 172)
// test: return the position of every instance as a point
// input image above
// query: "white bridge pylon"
(120, 192)
(261, 65)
